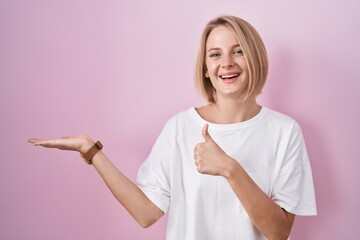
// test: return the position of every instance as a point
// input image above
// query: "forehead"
(220, 37)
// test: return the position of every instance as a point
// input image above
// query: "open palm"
(75, 143)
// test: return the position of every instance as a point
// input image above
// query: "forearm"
(267, 216)
(126, 192)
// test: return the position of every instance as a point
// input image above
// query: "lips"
(229, 77)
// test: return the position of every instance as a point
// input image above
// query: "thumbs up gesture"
(209, 157)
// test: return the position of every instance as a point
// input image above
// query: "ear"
(207, 74)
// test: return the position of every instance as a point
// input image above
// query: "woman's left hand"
(210, 158)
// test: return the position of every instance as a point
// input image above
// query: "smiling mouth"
(229, 76)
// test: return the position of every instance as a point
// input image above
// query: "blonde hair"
(254, 52)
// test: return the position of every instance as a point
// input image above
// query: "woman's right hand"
(126, 192)
(76, 143)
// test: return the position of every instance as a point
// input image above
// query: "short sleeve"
(294, 188)
(153, 176)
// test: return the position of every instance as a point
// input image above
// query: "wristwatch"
(87, 157)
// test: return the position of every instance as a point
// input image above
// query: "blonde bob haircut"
(254, 52)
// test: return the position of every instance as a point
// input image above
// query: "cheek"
(212, 69)
(243, 65)
(245, 77)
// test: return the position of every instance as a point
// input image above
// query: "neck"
(232, 111)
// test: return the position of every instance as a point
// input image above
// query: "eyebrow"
(234, 46)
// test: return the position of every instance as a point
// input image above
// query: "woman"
(229, 170)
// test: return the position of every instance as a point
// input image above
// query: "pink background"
(117, 70)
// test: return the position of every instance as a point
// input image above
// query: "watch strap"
(87, 157)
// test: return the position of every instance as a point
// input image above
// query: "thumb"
(205, 134)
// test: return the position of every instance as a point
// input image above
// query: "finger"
(35, 141)
(197, 147)
(56, 143)
(205, 134)
(196, 162)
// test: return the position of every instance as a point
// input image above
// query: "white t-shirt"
(269, 146)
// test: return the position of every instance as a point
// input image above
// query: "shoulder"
(180, 117)
(282, 122)
(276, 117)
(180, 120)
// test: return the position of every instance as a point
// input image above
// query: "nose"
(228, 65)
(228, 62)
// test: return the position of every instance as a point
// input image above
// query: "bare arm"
(269, 218)
(273, 221)
(125, 191)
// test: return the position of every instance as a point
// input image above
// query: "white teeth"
(229, 76)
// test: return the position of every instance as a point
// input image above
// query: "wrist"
(88, 156)
(230, 169)
(87, 143)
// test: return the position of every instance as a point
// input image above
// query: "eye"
(238, 52)
(214, 55)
